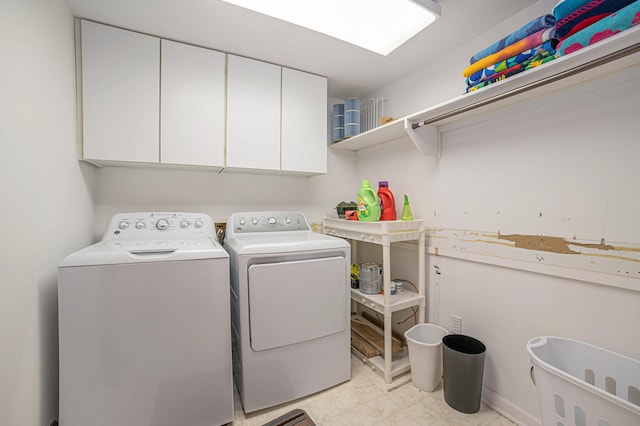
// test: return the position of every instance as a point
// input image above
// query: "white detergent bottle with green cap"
(368, 203)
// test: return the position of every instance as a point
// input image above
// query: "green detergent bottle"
(368, 203)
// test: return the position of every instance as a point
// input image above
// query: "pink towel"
(518, 47)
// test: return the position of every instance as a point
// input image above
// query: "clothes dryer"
(290, 307)
(144, 325)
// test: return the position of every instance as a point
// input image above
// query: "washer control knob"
(198, 223)
(123, 224)
(139, 224)
(242, 222)
(287, 221)
(162, 224)
(254, 221)
(272, 221)
(184, 224)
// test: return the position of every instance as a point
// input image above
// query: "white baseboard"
(507, 409)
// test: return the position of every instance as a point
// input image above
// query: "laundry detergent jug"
(387, 202)
(368, 203)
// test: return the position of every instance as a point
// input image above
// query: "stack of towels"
(580, 23)
(573, 25)
(529, 46)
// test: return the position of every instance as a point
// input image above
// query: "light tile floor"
(367, 400)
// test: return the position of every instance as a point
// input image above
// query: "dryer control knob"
(123, 224)
(198, 224)
(272, 221)
(162, 224)
(139, 224)
(287, 221)
(242, 222)
(254, 221)
(184, 224)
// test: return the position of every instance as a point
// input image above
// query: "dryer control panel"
(273, 221)
(165, 225)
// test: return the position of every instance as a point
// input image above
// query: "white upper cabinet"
(120, 96)
(253, 114)
(276, 118)
(192, 95)
(152, 101)
(304, 122)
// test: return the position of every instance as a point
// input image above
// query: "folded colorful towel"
(543, 58)
(537, 60)
(518, 47)
(587, 15)
(565, 7)
(496, 69)
(618, 21)
(532, 27)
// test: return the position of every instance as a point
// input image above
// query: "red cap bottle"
(387, 202)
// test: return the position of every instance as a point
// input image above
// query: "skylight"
(377, 25)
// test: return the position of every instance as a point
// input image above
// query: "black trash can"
(463, 368)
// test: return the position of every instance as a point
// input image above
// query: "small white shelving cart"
(385, 233)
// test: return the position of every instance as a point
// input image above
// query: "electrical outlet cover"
(456, 324)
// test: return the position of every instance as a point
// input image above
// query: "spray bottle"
(406, 210)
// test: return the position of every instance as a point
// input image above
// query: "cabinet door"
(192, 105)
(253, 114)
(120, 96)
(304, 122)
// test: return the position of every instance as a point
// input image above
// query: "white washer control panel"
(164, 225)
(266, 222)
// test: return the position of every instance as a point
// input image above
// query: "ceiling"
(352, 71)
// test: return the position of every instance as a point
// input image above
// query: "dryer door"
(293, 302)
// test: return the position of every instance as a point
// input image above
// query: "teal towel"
(565, 7)
(616, 22)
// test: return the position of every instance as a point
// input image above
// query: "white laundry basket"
(583, 385)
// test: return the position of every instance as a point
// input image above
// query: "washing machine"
(290, 307)
(144, 325)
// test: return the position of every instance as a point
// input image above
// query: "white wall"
(219, 195)
(122, 189)
(560, 166)
(45, 196)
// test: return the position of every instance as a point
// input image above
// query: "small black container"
(463, 369)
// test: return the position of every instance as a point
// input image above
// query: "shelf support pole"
(386, 282)
(421, 276)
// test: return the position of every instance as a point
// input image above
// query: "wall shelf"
(423, 127)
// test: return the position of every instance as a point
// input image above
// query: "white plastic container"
(425, 355)
(580, 384)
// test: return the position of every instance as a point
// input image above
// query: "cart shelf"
(385, 233)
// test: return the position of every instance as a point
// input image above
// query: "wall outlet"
(456, 324)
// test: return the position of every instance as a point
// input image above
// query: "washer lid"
(283, 242)
(145, 251)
